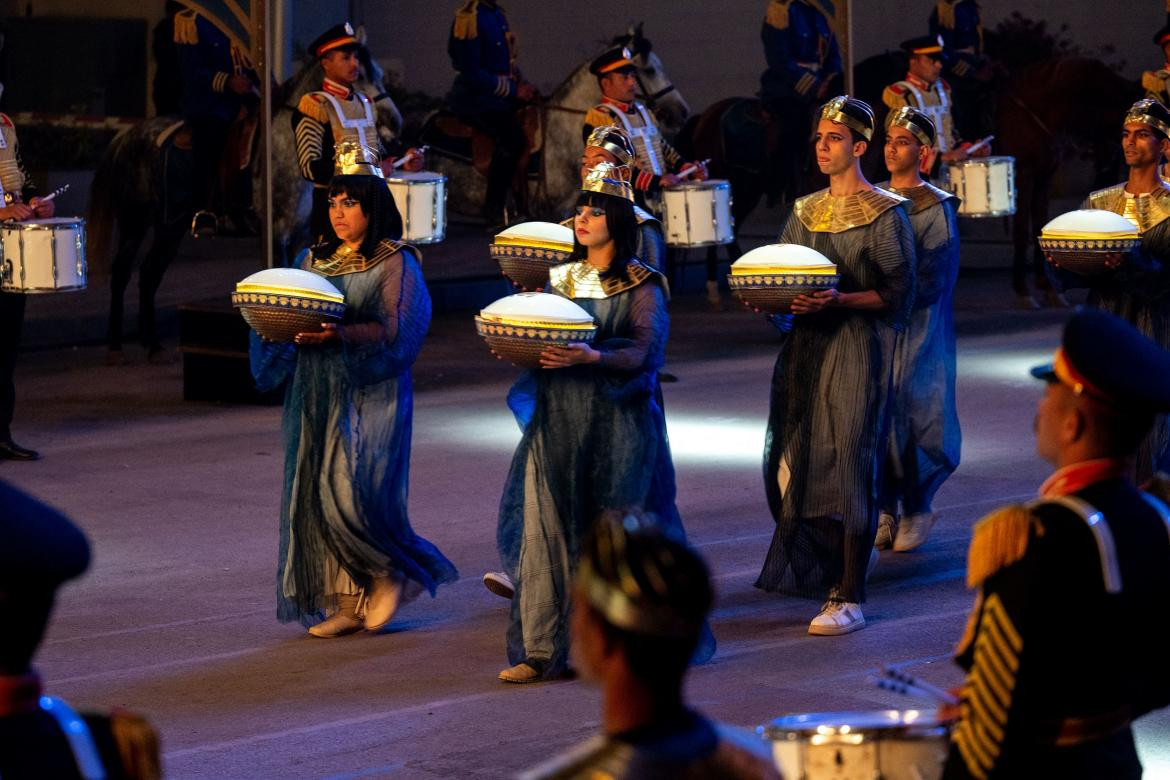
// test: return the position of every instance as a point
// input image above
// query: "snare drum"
(43, 255)
(890, 744)
(986, 186)
(698, 213)
(421, 198)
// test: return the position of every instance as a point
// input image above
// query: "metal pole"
(849, 47)
(263, 45)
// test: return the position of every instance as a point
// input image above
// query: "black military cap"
(1106, 359)
(39, 546)
(339, 36)
(1163, 35)
(930, 45)
(618, 60)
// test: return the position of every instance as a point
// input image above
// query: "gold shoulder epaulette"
(137, 743)
(946, 14)
(467, 21)
(1153, 84)
(313, 106)
(598, 117)
(1000, 539)
(777, 14)
(894, 96)
(185, 30)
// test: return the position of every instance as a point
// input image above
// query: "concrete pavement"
(181, 500)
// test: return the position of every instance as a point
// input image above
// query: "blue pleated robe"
(925, 440)
(594, 441)
(347, 426)
(829, 413)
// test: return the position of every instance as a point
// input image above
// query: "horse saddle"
(446, 133)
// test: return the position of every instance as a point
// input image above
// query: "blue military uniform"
(802, 54)
(1057, 667)
(208, 58)
(482, 48)
(801, 49)
(961, 26)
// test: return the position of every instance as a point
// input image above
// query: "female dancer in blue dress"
(594, 437)
(346, 543)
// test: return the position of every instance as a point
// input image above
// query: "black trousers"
(11, 319)
(503, 127)
(209, 137)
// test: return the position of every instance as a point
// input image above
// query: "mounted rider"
(220, 86)
(925, 90)
(960, 25)
(487, 92)
(656, 162)
(803, 59)
(335, 113)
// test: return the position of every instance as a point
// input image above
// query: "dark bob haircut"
(378, 206)
(623, 231)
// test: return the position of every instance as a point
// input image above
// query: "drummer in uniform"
(925, 436)
(1156, 83)
(1139, 290)
(335, 113)
(18, 204)
(43, 736)
(1055, 671)
(656, 162)
(924, 89)
(488, 91)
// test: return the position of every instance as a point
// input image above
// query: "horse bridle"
(651, 100)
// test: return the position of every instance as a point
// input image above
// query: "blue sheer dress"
(347, 427)
(925, 440)
(594, 442)
(829, 418)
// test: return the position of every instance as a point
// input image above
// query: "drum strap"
(362, 125)
(645, 138)
(935, 112)
(85, 752)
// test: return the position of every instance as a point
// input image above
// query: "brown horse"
(1045, 113)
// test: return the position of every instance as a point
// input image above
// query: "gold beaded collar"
(825, 213)
(1146, 211)
(921, 197)
(579, 279)
(350, 261)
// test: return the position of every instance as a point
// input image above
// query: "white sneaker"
(913, 531)
(887, 529)
(836, 618)
(500, 584)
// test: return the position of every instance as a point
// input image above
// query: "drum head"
(416, 177)
(847, 722)
(706, 184)
(52, 222)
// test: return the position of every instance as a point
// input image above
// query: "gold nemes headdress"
(851, 112)
(351, 158)
(614, 140)
(604, 178)
(1150, 112)
(918, 123)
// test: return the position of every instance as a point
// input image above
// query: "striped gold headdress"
(851, 112)
(918, 123)
(603, 178)
(351, 158)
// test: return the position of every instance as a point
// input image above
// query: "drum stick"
(54, 193)
(980, 144)
(909, 679)
(902, 688)
(687, 171)
(410, 156)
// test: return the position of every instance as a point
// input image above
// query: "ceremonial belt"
(1069, 732)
